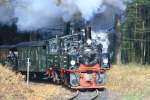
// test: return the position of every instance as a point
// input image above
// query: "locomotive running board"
(92, 87)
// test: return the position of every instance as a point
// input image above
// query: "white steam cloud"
(6, 13)
(37, 14)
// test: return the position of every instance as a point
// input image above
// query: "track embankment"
(125, 82)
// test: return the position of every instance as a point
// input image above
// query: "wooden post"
(144, 43)
(28, 70)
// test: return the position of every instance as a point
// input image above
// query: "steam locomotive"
(75, 59)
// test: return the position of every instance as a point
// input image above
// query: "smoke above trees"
(30, 15)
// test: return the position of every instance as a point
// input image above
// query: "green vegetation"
(136, 33)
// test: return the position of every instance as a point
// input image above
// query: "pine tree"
(136, 33)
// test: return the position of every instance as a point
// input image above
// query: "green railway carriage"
(36, 52)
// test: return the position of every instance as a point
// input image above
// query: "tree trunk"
(118, 41)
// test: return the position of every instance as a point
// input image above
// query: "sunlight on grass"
(14, 87)
(131, 81)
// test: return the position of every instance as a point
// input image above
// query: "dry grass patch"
(130, 81)
(50, 92)
(13, 87)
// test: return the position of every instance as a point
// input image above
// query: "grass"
(129, 82)
(13, 87)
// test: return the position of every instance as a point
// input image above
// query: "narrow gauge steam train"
(75, 60)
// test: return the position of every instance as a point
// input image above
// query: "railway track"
(90, 95)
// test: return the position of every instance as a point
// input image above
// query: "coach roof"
(31, 44)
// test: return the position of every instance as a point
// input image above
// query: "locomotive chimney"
(67, 28)
(88, 32)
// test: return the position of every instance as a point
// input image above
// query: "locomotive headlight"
(72, 62)
(89, 41)
(87, 50)
(105, 61)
